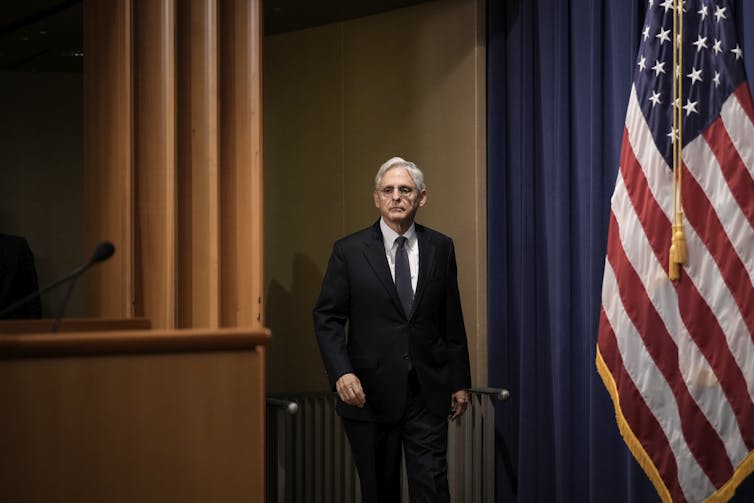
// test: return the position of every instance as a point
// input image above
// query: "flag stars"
(642, 64)
(672, 135)
(659, 67)
(701, 43)
(703, 12)
(716, 79)
(720, 13)
(717, 46)
(664, 36)
(695, 76)
(738, 52)
(667, 5)
(655, 99)
(690, 107)
(645, 33)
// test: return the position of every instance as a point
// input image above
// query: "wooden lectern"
(113, 413)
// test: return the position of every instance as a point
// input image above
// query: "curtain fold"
(558, 79)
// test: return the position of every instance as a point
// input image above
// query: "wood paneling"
(72, 325)
(241, 172)
(199, 222)
(108, 154)
(141, 416)
(154, 161)
(174, 160)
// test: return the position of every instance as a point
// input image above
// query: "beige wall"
(338, 101)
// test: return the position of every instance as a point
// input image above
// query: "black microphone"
(103, 251)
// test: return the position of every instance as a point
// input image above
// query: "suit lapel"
(427, 263)
(374, 251)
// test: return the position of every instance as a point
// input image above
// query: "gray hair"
(398, 162)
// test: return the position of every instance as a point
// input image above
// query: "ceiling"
(47, 35)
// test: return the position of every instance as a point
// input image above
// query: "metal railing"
(309, 460)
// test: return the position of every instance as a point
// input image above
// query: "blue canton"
(712, 68)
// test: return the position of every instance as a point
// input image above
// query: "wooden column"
(173, 160)
(108, 154)
(154, 155)
(199, 222)
(241, 173)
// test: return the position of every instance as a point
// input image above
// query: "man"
(403, 366)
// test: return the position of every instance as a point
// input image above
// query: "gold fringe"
(628, 435)
(728, 489)
(722, 495)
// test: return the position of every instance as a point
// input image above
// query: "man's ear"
(376, 199)
(423, 198)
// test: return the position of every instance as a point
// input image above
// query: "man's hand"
(350, 390)
(458, 403)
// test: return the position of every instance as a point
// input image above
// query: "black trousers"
(376, 449)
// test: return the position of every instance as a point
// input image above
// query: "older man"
(390, 329)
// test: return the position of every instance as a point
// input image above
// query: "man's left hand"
(458, 403)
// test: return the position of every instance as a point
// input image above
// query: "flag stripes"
(739, 182)
(678, 357)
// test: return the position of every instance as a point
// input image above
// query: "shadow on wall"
(293, 359)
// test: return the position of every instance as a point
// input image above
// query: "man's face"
(398, 198)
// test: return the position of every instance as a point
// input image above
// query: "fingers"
(350, 390)
(458, 404)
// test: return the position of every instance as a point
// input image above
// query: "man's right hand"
(350, 390)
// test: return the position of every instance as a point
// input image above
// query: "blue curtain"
(558, 78)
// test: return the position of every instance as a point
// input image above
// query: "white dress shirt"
(412, 247)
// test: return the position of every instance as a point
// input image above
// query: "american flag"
(677, 357)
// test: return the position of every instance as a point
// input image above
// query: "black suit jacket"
(359, 296)
(18, 276)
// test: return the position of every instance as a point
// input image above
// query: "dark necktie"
(403, 276)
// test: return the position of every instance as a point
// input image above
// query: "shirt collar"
(389, 235)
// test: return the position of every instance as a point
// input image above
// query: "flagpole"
(678, 254)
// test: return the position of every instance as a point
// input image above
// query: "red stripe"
(704, 220)
(643, 423)
(733, 168)
(743, 93)
(699, 318)
(706, 332)
(656, 224)
(702, 439)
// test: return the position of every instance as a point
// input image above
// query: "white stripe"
(697, 373)
(701, 267)
(703, 272)
(656, 170)
(740, 129)
(654, 390)
(705, 168)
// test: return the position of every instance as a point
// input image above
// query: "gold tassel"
(679, 241)
(677, 256)
(674, 270)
